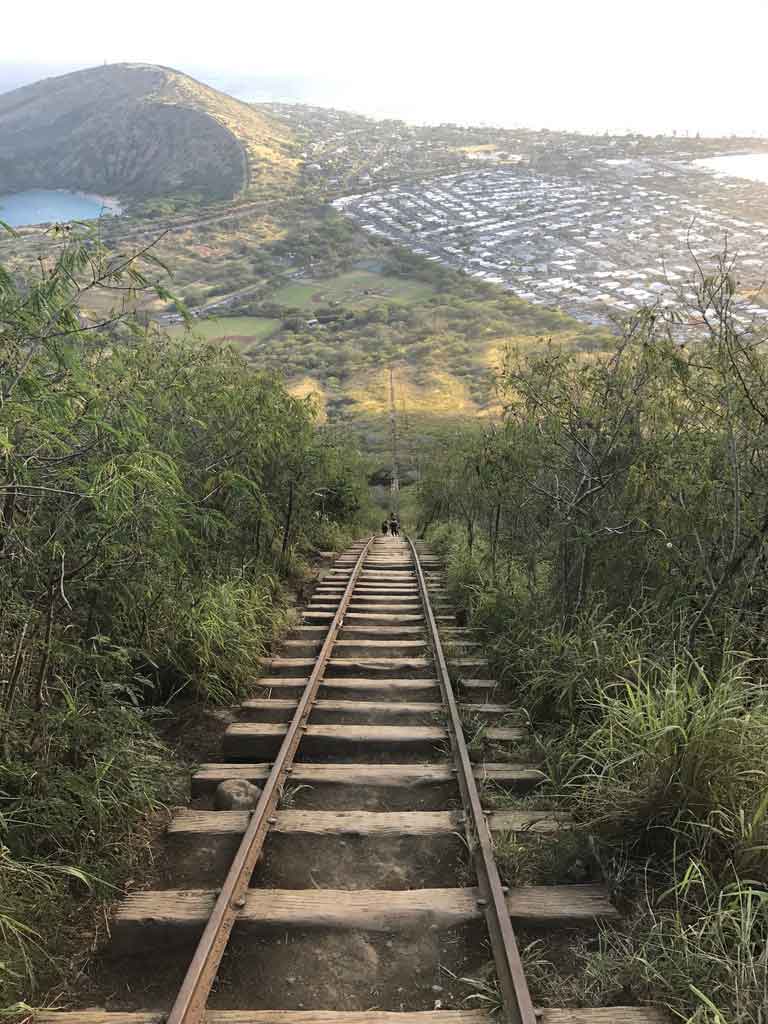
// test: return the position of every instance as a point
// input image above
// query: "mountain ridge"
(138, 130)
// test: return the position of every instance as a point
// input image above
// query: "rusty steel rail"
(517, 1004)
(189, 1006)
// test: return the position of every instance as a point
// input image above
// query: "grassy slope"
(357, 289)
(445, 350)
(240, 331)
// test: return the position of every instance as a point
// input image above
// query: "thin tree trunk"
(288, 518)
(495, 541)
(43, 674)
(9, 507)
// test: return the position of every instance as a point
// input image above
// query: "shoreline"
(106, 202)
(108, 206)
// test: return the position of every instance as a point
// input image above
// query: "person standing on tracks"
(394, 526)
(385, 527)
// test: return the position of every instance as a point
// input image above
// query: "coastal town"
(595, 241)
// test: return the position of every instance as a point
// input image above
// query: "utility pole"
(394, 486)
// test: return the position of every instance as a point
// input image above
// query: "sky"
(590, 65)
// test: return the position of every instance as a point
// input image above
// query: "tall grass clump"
(697, 947)
(677, 761)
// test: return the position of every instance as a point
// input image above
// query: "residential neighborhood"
(611, 235)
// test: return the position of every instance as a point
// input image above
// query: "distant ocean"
(747, 165)
(403, 98)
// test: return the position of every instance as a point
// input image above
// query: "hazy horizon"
(652, 68)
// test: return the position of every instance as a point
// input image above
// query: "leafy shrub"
(154, 498)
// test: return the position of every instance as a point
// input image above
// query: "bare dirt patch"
(362, 862)
(351, 970)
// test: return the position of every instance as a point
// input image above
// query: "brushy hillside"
(155, 498)
(138, 130)
(609, 536)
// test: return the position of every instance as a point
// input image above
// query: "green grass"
(240, 331)
(355, 290)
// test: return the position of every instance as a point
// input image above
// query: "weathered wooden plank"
(372, 574)
(363, 823)
(379, 706)
(275, 1017)
(369, 587)
(254, 739)
(601, 1015)
(365, 618)
(381, 647)
(209, 776)
(528, 820)
(349, 685)
(276, 709)
(358, 823)
(246, 739)
(597, 1015)
(374, 665)
(388, 910)
(272, 709)
(374, 632)
(382, 618)
(387, 607)
(413, 667)
(497, 710)
(502, 734)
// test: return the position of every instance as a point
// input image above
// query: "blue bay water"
(39, 206)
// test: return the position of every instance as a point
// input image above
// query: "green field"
(240, 331)
(356, 289)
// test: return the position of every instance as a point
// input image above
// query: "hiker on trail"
(394, 526)
(385, 527)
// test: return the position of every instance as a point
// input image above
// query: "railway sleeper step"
(355, 688)
(376, 588)
(390, 607)
(374, 593)
(402, 632)
(368, 597)
(365, 618)
(328, 712)
(367, 573)
(385, 596)
(319, 631)
(414, 667)
(357, 648)
(601, 1015)
(275, 709)
(347, 686)
(247, 739)
(147, 918)
(385, 776)
(478, 687)
(190, 822)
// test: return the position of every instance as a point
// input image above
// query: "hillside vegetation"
(354, 306)
(610, 536)
(155, 498)
(138, 130)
